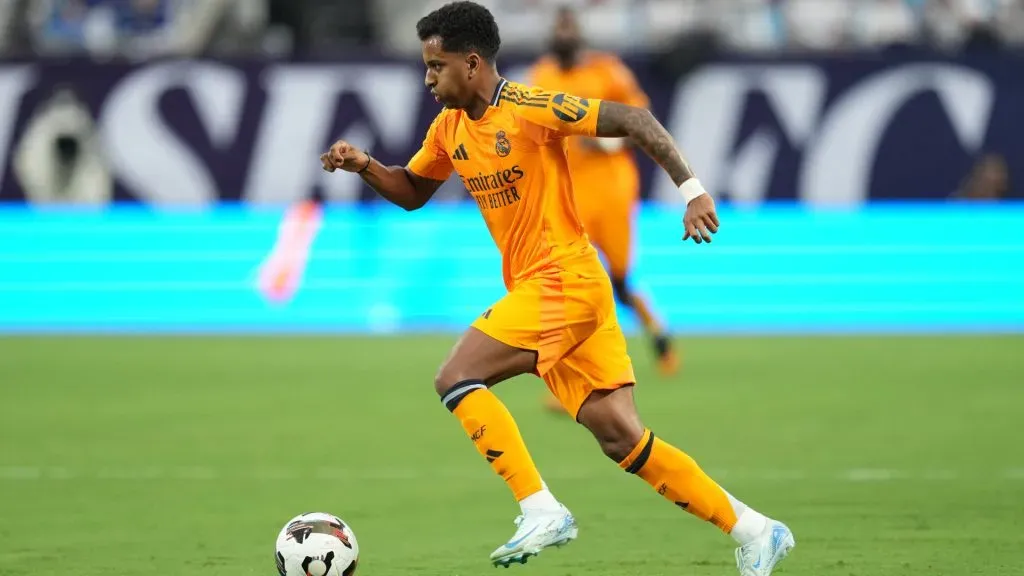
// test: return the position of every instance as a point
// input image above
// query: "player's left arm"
(560, 115)
(615, 120)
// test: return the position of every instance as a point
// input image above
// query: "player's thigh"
(479, 356)
(599, 363)
(502, 343)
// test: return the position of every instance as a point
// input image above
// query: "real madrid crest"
(502, 147)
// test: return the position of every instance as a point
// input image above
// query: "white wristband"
(691, 189)
(610, 145)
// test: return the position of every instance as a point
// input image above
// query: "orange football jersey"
(513, 162)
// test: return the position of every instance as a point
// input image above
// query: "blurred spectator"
(1009, 21)
(818, 24)
(884, 23)
(744, 25)
(974, 24)
(13, 35)
(145, 28)
(152, 28)
(332, 26)
(285, 29)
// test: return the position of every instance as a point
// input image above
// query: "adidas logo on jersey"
(460, 153)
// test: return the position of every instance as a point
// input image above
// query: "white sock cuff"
(543, 500)
(749, 525)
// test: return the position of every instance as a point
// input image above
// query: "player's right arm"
(410, 186)
(396, 184)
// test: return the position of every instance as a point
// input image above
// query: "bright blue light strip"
(780, 269)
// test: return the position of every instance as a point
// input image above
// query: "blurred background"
(161, 199)
(867, 154)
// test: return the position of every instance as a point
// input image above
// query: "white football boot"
(758, 558)
(535, 531)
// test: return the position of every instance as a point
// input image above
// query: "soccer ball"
(316, 544)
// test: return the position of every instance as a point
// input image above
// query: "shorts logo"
(502, 147)
(569, 108)
(487, 314)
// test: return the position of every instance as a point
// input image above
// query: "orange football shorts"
(568, 317)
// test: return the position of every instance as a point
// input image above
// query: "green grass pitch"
(177, 456)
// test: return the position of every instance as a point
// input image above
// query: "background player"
(558, 318)
(606, 182)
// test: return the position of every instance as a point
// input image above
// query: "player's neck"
(568, 61)
(485, 95)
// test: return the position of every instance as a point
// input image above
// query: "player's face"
(566, 39)
(448, 74)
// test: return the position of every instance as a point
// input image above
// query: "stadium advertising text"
(835, 132)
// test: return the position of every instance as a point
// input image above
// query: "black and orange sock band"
(455, 394)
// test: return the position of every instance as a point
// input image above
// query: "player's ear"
(473, 63)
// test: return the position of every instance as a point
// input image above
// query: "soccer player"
(605, 180)
(507, 143)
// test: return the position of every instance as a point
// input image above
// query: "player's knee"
(611, 417)
(617, 439)
(445, 379)
(452, 374)
(621, 289)
(618, 448)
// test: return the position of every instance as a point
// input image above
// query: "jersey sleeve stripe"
(514, 92)
(520, 98)
(543, 104)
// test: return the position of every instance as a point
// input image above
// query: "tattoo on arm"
(617, 120)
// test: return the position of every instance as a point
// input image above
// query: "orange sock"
(490, 426)
(677, 477)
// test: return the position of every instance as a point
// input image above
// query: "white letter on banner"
(145, 153)
(15, 81)
(295, 130)
(837, 166)
(706, 116)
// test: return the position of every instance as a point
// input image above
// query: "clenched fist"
(344, 156)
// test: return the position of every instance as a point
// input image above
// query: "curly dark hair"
(463, 27)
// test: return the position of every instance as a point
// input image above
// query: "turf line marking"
(1015, 474)
(205, 473)
(871, 474)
